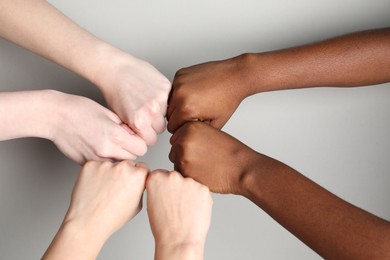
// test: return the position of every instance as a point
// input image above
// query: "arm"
(105, 197)
(179, 211)
(330, 226)
(68, 121)
(134, 89)
(212, 91)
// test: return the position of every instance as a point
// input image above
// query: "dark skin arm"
(332, 227)
(212, 91)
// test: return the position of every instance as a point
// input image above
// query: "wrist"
(246, 71)
(173, 251)
(27, 114)
(55, 108)
(108, 61)
(269, 71)
(258, 175)
(74, 241)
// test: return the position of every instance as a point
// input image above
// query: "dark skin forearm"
(212, 91)
(329, 225)
(357, 59)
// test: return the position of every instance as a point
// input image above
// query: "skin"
(179, 211)
(68, 121)
(105, 197)
(332, 227)
(133, 88)
(212, 91)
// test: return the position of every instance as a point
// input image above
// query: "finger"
(178, 120)
(148, 134)
(121, 155)
(160, 171)
(114, 117)
(131, 162)
(179, 132)
(133, 144)
(142, 165)
(159, 124)
(171, 107)
(153, 178)
(216, 123)
(127, 128)
(172, 155)
(174, 121)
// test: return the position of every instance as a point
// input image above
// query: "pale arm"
(68, 121)
(27, 114)
(133, 88)
(105, 197)
(39, 27)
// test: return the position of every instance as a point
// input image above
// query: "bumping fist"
(210, 157)
(208, 92)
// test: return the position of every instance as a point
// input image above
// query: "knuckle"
(138, 121)
(90, 164)
(154, 108)
(182, 165)
(104, 150)
(105, 165)
(179, 73)
(140, 171)
(122, 166)
(153, 178)
(143, 148)
(189, 110)
(116, 134)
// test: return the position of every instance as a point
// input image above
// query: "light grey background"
(337, 137)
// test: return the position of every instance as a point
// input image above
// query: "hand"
(138, 94)
(105, 197)
(179, 211)
(134, 89)
(210, 157)
(208, 92)
(84, 130)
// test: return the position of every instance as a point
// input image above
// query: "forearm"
(358, 59)
(73, 242)
(27, 114)
(39, 27)
(330, 226)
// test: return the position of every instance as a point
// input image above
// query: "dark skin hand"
(213, 87)
(194, 141)
(212, 91)
(329, 225)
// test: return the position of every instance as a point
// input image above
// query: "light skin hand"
(133, 88)
(179, 211)
(329, 225)
(85, 130)
(138, 93)
(81, 128)
(105, 197)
